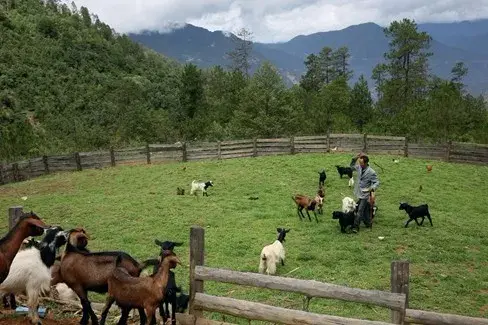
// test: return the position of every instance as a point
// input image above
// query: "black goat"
(345, 219)
(414, 213)
(322, 178)
(178, 303)
(344, 171)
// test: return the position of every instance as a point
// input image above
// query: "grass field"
(127, 207)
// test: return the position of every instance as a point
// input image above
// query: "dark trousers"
(363, 213)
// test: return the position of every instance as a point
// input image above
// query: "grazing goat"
(304, 202)
(180, 191)
(414, 213)
(322, 178)
(273, 253)
(345, 219)
(140, 292)
(344, 171)
(29, 224)
(200, 186)
(30, 271)
(86, 271)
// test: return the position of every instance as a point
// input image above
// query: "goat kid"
(140, 292)
(322, 178)
(345, 219)
(273, 253)
(200, 186)
(344, 171)
(30, 271)
(416, 212)
(304, 202)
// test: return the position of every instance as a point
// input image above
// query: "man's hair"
(365, 159)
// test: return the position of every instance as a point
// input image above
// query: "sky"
(275, 20)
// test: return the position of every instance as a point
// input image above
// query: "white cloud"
(276, 20)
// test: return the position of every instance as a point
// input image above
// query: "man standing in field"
(367, 181)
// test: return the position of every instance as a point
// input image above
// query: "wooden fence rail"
(150, 153)
(396, 300)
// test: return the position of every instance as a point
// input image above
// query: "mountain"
(452, 42)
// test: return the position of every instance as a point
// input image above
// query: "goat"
(29, 224)
(180, 191)
(30, 271)
(351, 182)
(85, 271)
(344, 171)
(345, 219)
(273, 253)
(414, 213)
(304, 202)
(322, 178)
(140, 292)
(200, 186)
(348, 205)
(170, 296)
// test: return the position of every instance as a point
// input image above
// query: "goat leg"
(418, 224)
(408, 221)
(108, 303)
(428, 216)
(308, 214)
(173, 308)
(317, 220)
(142, 316)
(124, 316)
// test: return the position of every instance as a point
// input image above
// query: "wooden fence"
(154, 153)
(396, 300)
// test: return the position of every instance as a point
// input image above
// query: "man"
(367, 181)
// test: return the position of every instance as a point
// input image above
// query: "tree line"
(68, 82)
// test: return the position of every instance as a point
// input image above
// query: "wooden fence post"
(197, 249)
(405, 148)
(1, 175)
(448, 150)
(14, 213)
(15, 172)
(399, 284)
(292, 145)
(46, 165)
(112, 157)
(184, 153)
(365, 143)
(255, 147)
(219, 149)
(78, 161)
(148, 153)
(328, 141)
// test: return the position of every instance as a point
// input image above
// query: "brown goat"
(29, 224)
(304, 202)
(140, 292)
(85, 271)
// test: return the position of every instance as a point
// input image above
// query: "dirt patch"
(401, 249)
(484, 309)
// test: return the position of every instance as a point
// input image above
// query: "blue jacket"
(366, 178)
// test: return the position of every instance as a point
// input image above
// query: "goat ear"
(279, 229)
(158, 242)
(288, 230)
(177, 244)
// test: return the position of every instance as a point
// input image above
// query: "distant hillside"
(366, 42)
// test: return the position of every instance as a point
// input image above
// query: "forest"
(69, 82)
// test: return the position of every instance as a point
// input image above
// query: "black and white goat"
(273, 253)
(30, 271)
(200, 186)
(414, 213)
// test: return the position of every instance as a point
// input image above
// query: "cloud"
(276, 20)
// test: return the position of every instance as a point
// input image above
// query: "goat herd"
(33, 267)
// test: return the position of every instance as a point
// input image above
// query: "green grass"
(127, 207)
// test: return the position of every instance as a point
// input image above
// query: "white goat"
(200, 186)
(30, 271)
(351, 182)
(348, 205)
(273, 253)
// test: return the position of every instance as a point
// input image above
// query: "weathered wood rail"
(396, 300)
(330, 143)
